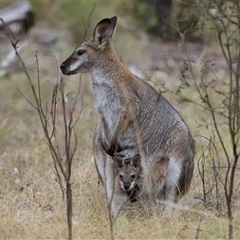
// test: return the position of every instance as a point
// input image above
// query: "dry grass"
(32, 206)
(31, 203)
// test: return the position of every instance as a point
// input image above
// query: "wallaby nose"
(126, 186)
(62, 66)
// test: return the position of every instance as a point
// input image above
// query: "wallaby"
(126, 174)
(133, 119)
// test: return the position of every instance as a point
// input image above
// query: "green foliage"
(187, 18)
(145, 12)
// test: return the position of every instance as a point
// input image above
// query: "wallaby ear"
(118, 161)
(136, 161)
(104, 30)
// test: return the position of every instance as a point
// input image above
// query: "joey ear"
(118, 161)
(104, 30)
(136, 161)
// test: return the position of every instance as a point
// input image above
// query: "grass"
(31, 201)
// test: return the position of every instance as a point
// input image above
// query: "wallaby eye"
(133, 176)
(80, 52)
(120, 176)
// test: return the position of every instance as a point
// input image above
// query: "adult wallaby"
(133, 119)
(126, 174)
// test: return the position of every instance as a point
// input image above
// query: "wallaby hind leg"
(186, 176)
(167, 194)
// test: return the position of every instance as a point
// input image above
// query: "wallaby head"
(87, 53)
(126, 172)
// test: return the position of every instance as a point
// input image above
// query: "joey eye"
(133, 176)
(80, 52)
(120, 176)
